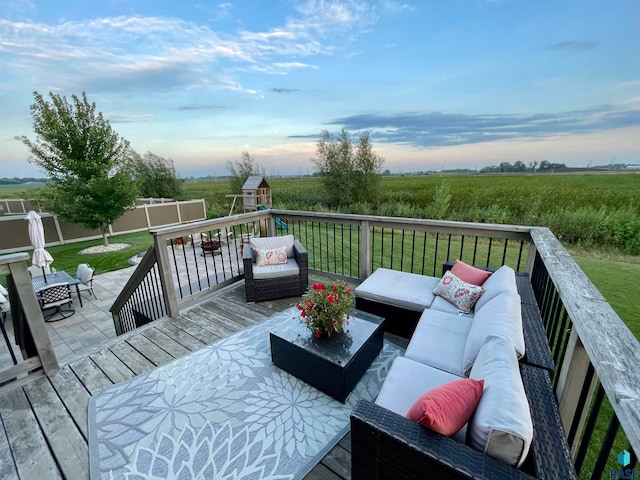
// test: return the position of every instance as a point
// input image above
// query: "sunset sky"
(439, 84)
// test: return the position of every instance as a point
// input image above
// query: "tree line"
(520, 166)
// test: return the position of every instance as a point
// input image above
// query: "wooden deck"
(43, 430)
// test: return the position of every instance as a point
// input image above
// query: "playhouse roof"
(254, 182)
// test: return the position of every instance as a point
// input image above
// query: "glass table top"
(339, 348)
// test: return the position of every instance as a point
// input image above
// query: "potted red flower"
(324, 308)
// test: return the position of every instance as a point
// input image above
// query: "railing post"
(271, 226)
(166, 278)
(573, 373)
(531, 259)
(364, 250)
(33, 315)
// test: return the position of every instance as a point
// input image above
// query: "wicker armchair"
(273, 287)
(387, 445)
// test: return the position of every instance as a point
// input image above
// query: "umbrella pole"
(44, 274)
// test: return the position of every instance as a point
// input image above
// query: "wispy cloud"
(201, 107)
(445, 129)
(573, 46)
(157, 53)
(285, 90)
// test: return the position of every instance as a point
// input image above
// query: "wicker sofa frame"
(259, 290)
(387, 445)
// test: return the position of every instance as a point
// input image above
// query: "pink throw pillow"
(276, 256)
(469, 274)
(445, 409)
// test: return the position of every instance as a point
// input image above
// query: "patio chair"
(269, 280)
(38, 271)
(86, 280)
(56, 296)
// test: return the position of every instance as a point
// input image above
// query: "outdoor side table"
(332, 365)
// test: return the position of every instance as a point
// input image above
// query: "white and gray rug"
(222, 412)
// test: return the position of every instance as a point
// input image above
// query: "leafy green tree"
(87, 163)
(242, 169)
(350, 172)
(156, 176)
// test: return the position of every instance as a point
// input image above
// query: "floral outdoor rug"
(222, 412)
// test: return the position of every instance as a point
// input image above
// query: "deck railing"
(596, 355)
(37, 351)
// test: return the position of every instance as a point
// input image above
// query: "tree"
(156, 176)
(350, 173)
(242, 169)
(87, 163)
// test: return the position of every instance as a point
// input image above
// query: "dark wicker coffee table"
(332, 365)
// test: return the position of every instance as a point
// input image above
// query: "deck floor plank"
(94, 379)
(195, 330)
(149, 350)
(29, 448)
(7, 465)
(74, 396)
(164, 341)
(231, 324)
(204, 322)
(65, 440)
(111, 365)
(133, 359)
(173, 329)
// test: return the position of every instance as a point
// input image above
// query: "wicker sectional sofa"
(515, 431)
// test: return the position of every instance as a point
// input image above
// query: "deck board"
(43, 423)
(63, 437)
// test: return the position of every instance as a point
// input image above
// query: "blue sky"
(439, 84)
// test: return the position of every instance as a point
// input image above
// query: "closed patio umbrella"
(41, 258)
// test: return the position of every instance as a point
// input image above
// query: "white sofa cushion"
(441, 304)
(439, 340)
(500, 316)
(276, 271)
(501, 425)
(269, 243)
(407, 381)
(401, 289)
(503, 279)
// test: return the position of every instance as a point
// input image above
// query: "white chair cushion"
(500, 316)
(400, 289)
(439, 340)
(501, 425)
(503, 279)
(80, 268)
(3, 299)
(86, 274)
(406, 381)
(269, 243)
(4, 291)
(276, 271)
